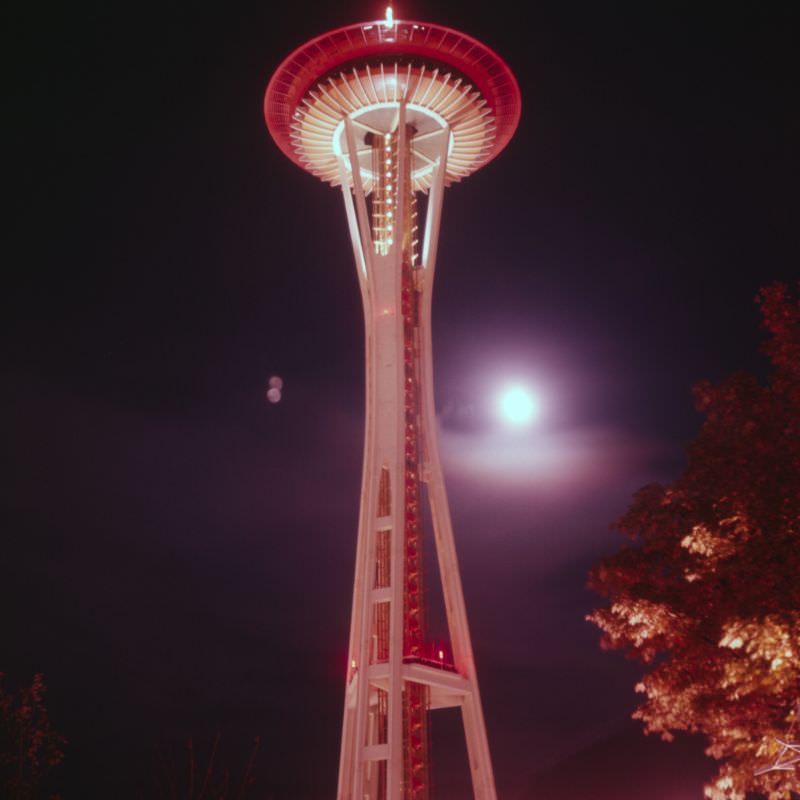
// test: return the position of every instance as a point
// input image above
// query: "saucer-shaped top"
(364, 71)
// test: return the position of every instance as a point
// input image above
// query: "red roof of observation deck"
(299, 72)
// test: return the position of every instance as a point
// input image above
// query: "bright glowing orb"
(518, 406)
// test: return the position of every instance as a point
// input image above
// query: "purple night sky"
(178, 552)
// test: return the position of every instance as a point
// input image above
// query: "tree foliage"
(29, 745)
(707, 593)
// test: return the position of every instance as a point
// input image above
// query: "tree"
(29, 745)
(707, 593)
(212, 781)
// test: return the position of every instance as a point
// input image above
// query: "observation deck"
(449, 82)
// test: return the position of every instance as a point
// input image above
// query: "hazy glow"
(565, 459)
(389, 17)
(518, 406)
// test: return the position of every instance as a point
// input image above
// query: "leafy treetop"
(707, 593)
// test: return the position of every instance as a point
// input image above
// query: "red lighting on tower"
(388, 110)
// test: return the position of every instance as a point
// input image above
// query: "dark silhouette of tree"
(209, 780)
(29, 745)
(708, 591)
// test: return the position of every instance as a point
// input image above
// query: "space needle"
(393, 112)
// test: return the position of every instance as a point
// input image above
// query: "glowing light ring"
(494, 88)
(320, 153)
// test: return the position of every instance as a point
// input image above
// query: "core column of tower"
(415, 710)
(392, 189)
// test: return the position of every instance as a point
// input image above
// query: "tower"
(391, 110)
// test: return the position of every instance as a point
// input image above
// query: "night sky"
(178, 553)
